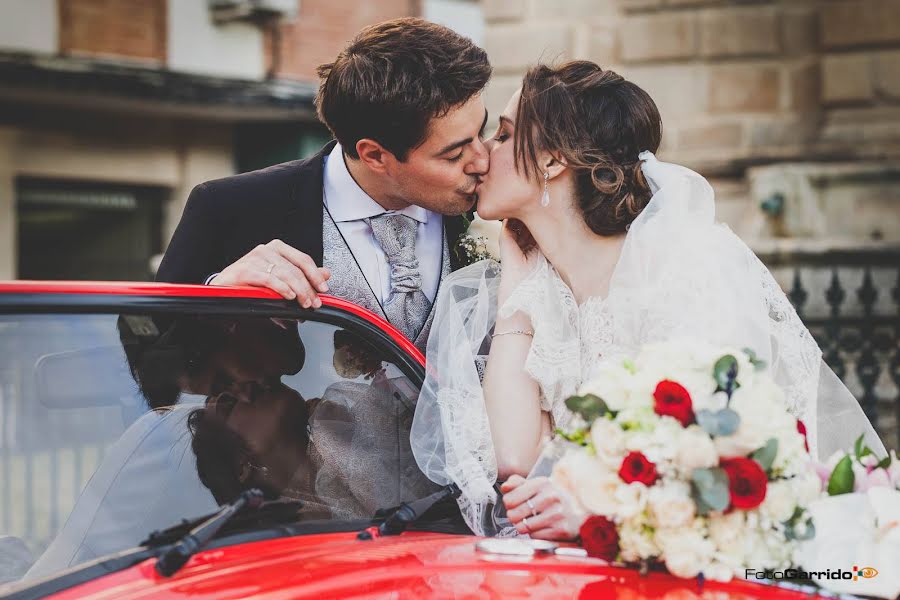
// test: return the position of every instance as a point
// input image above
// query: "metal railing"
(850, 301)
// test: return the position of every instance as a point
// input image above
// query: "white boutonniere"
(480, 241)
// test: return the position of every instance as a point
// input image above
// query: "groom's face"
(441, 174)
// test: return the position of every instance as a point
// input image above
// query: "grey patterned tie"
(407, 305)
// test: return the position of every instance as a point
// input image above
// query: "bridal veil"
(681, 274)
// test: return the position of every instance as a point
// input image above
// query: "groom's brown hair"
(395, 77)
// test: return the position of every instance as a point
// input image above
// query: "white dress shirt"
(349, 206)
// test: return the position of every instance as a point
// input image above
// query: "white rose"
(725, 531)
(609, 441)
(636, 542)
(611, 382)
(490, 231)
(756, 412)
(807, 486)
(695, 450)
(591, 483)
(718, 571)
(713, 402)
(671, 505)
(686, 551)
(631, 499)
(780, 501)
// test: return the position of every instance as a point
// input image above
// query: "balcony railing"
(850, 301)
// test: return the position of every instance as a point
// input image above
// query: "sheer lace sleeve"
(554, 360)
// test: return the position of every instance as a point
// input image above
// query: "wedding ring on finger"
(525, 524)
(269, 268)
(531, 506)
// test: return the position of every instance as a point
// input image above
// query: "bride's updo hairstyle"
(598, 123)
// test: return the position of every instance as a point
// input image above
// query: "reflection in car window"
(114, 426)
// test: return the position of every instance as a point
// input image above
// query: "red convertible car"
(171, 441)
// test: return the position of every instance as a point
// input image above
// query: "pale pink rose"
(875, 478)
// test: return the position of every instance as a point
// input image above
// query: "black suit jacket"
(226, 218)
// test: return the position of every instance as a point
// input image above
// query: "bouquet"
(687, 455)
(857, 524)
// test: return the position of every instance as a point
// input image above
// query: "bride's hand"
(541, 509)
(517, 263)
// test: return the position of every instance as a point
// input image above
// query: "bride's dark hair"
(598, 123)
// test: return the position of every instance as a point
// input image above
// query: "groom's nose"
(480, 161)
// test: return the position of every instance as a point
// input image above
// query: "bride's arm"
(512, 397)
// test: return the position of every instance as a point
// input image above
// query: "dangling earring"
(545, 198)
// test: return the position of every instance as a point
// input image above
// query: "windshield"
(116, 425)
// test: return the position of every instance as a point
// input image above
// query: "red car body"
(338, 565)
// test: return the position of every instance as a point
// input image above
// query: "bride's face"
(503, 191)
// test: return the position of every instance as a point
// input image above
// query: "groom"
(372, 217)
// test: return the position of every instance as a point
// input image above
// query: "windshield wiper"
(175, 557)
(396, 520)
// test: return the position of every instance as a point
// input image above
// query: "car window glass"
(113, 426)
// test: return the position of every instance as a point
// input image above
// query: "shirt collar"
(346, 201)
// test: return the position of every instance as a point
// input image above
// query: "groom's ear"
(374, 155)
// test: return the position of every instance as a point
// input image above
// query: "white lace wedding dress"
(680, 275)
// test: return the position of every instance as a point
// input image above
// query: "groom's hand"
(281, 268)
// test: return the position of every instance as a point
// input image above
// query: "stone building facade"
(792, 109)
(111, 111)
(810, 86)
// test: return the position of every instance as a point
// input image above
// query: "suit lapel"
(454, 227)
(302, 227)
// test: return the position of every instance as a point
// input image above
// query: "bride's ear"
(554, 165)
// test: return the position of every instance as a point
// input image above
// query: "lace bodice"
(569, 339)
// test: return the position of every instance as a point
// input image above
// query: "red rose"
(672, 400)
(636, 467)
(746, 482)
(801, 428)
(600, 538)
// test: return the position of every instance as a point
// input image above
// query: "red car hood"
(413, 565)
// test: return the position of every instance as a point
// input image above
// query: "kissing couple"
(603, 249)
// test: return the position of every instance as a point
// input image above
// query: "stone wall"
(791, 104)
(740, 85)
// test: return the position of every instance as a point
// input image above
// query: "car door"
(124, 410)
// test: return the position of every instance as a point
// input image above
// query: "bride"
(604, 249)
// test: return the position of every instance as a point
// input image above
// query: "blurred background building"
(112, 110)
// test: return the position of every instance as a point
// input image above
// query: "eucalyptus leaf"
(810, 532)
(709, 488)
(757, 362)
(589, 406)
(720, 422)
(765, 456)
(842, 478)
(725, 373)
(791, 533)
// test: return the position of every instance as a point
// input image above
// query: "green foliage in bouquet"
(589, 407)
(765, 456)
(725, 372)
(843, 479)
(709, 489)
